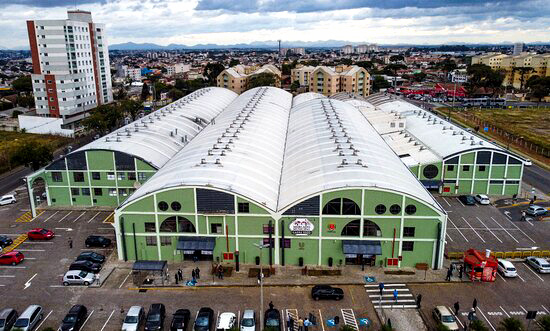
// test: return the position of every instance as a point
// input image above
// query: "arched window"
(349, 207)
(341, 206)
(168, 225)
(177, 224)
(352, 229)
(184, 225)
(370, 229)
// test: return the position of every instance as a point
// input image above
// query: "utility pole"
(279, 54)
(261, 280)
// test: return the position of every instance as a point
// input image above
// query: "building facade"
(71, 71)
(236, 78)
(332, 80)
(347, 49)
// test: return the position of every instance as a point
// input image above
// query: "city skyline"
(194, 22)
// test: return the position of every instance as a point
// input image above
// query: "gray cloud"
(50, 3)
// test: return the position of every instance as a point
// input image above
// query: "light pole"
(261, 280)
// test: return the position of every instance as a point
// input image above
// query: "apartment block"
(332, 80)
(236, 78)
(301, 74)
(178, 68)
(71, 71)
(347, 49)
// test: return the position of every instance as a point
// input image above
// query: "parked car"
(442, 315)
(5, 241)
(78, 277)
(539, 264)
(155, 317)
(134, 319)
(97, 241)
(180, 320)
(226, 321)
(272, 319)
(535, 210)
(507, 269)
(87, 266)
(482, 199)
(527, 163)
(74, 319)
(30, 318)
(40, 234)
(326, 292)
(248, 322)
(467, 200)
(8, 317)
(13, 258)
(91, 256)
(204, 319)
(7, 199)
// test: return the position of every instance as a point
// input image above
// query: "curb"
(95, 285)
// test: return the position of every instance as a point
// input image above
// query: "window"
(216, 228)
(98, 191)
(168, 225)
(112, 192)
(284, 243)
(86, 191)
(121, 176)
(243, 207)
(57, 176)
(142, 176)
(408, 231)
(395, 209)
(481, 168)
(351, 229)
(410, 209)
(450, 168)
(123, 192)
(371, 229)
(111, 176)
(176, 206)
(96, 175)
(466, 168)
(332, 207)
(380, 209)
(266, 229)
(131, 176)
(349, 207)
(78, 177)
(163, 205)
(150, 227)
(341, 206)
(75, 191)
(408, 246)
(151, 241)
(430, 171)
(166, 241)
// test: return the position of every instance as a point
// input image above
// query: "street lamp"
(261, 280)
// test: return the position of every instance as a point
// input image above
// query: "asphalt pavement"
(537, 177)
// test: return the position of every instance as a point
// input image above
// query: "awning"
(196, 244)
(141, 265)
(362, 247)
(431, 184)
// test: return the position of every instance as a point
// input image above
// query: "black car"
(87, 266)
(272, 319)
(467, 199)
(91, 256)
(5, 241)
(155, 317)
(204, 320)
(97, 241)
(180, 320)
(74, 319)
(326, 292)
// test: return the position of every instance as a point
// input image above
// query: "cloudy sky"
(193, 22)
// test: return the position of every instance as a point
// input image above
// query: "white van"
(29, 319)
(507, 269)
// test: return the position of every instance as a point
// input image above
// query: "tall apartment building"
(347, 49)
(518, 48)
(301, 74)
(332, 80)
(236, 78)
(71, 71)
(178, 68)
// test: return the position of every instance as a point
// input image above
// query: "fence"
(504, 255)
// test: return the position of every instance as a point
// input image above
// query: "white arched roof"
(157, 137)
(241, 151)
(303, 97)
(331, 145)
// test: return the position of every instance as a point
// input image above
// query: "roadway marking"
(460, 202)
(462, 234)
(44, 320)
(323, 323)
(505, 230)
(349, 318)
(456, 317)
(28, 283)
(504, 311)
(489, 322)
(31, 250)
(79, 216)
(124, 281)
(498, 273)
(293, 313)
(523, 280)
(12, 267)
(82, 326)
(93, 217)
(534, 273)
(473, 229)
(7, 276)
(52, 215)
(38, 242)
(64, 217)
(525, 310)
(525, 234)
(489, 229)
(108, 319)
(447, 235)
(548, 311)
(447, 202)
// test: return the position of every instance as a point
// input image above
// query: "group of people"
(195, 274)
(452, 268)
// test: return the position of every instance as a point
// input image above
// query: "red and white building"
(71, 71)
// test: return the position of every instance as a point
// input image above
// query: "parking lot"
(489, 227)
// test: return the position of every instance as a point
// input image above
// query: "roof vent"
(215, 146)
(481, 142)
(440, 122)
(422, 148)
(464, 138)
(341, 153)
(203, 161)
(210, 152)
(473, 143)
(407, 135)
(230, 141)
(171, 133)
(107, 139)
(222, 153)
(227, 146)
(344, 162)
(128, 134)
(416, 143)
(118, 139)
(220, 139)
(354, 152)
(359, 162)
(455, 133)
(471, 137)
(136, 130)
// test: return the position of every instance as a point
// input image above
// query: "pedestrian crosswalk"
(405, 299)
(349, 318)
(293, 314)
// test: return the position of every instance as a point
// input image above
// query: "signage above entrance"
(301, 227)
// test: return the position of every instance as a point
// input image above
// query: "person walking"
(460, 271)
(418, 300)
(300, 324)
(449, 274)
(70, 243)
(193, 274)
(307, 324)
(523, 214)
(271, 305)
(474, 304)
(457, 308)
(98, 280)
(220, 271)
(198, 272)
(381, 287)
(395, 295)
(180, 275)
(176, 276)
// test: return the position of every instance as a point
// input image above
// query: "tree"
(175, 94)
(481, 75)
(347, 327)
(442, 327)
(510, 324)
(396, 58)
(365, 64)
(32, 153)
(211, 71)
(522, 71)
(477, 325)
(22, 84)
(104, 118)
(392, 68)
(16, 113)
(379, 83)
(145, 92)
(346, 61)
(544, 322)
(294, 86)
(262, 79)
(131, 108)
(446, 66)
(539, 87)
(234, 62)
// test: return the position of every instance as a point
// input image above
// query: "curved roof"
(157, 137)
(241, 151)
(303, 97)
(331, 145)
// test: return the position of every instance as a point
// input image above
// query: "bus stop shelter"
(149, 272)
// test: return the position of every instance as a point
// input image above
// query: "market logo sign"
(301, 227)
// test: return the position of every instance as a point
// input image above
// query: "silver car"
(78, 277)
(535, 210)
(539, 264)
(248, 322)
(8, 317)
(29, 319)
(134, 318)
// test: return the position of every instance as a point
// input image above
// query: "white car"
(527, 163)
(507, 269)
(7, 199)
(482, 199)
(226, 321)
(442, 315)
(78, 277)
(539, 264)
(134, 318)
(248, 322)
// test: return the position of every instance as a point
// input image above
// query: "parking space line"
(87, 318)
(79, 216)
(456, 317)
(480, 221)
(525, 310)
(124, 281)
(323, 323)
(12, 267)
(505, 229)
(501, 277)
(108, 319)
(457, 199)
(548, 311)
(473, 229)
(523, 280)
(91, 219)
(31, 250)
(52, 215)
(7, 276)
(525, 234)
(534, 273)
(482, 314)
(64, 217)
(447, 202)
(505, 312)
(44, 320)
(447, 234)
(462, 234)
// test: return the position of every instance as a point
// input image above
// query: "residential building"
(331, 80)
(518, 48)
(347, 49)
(71, 71)
(134, 74)
(301, 74)
(236, 78)
(178, 68)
